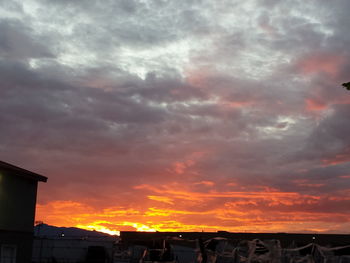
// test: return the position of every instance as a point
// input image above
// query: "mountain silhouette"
(44, 230)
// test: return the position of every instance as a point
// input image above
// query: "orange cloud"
(321, 63)
(306, 183)
(315, 105)
(161, 199)
(180, 167)
(206, 183)
(338, 159)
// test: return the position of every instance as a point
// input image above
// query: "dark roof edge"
(24, 172)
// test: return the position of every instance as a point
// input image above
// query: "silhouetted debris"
(225, 247)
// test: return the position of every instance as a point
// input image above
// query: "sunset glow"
(264, 210)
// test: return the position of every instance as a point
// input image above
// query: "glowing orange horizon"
(169, 210)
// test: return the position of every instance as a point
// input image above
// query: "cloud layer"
(180, 115)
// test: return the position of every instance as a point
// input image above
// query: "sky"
(186, 115)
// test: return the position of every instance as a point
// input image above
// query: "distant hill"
(44, 230)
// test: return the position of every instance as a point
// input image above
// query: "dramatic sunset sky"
(183, 115)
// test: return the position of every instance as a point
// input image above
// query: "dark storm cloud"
(74, 124)
(329, 143)
(59, 103)
(333, 129)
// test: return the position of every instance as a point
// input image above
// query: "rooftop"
(22, 172)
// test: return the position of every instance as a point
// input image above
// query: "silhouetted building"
(73, 249)
(18, 190)
(70, 244)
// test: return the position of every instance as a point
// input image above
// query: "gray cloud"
(134, 92)
(19, 42)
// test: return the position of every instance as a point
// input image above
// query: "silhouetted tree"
(346, 85)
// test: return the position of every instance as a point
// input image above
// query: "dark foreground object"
(225, 247)
(286, 240)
